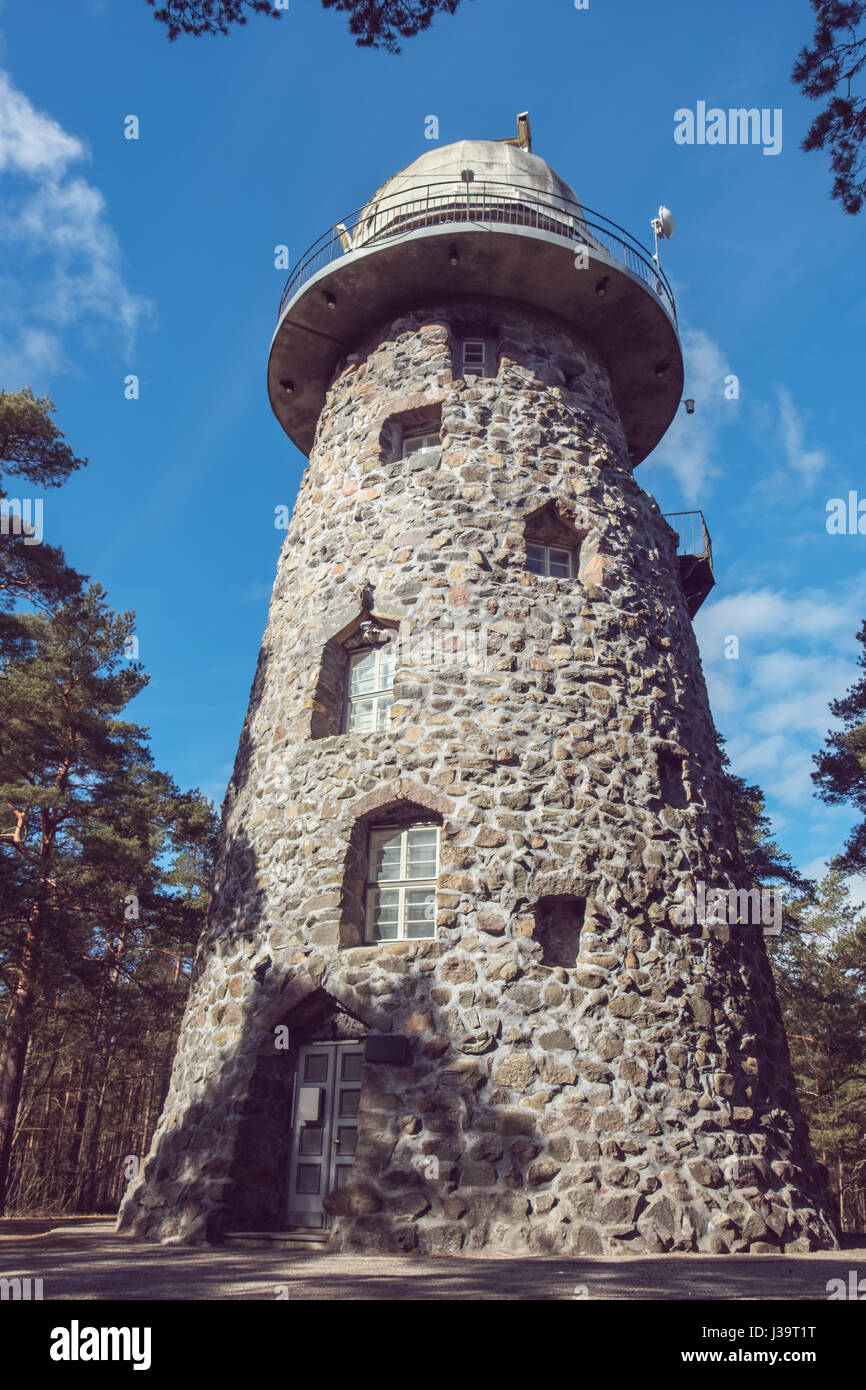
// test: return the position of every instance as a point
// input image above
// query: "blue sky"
(156, 257)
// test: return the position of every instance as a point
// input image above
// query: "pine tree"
(373, 23)
(833, 67)
(87, 822)
(33, 450)
(841, 774)
(820, 969)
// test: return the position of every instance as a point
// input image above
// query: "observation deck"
(479, 220)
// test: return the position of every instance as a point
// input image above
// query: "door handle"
(335, 1143)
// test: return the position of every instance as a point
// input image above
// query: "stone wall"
(640, 1099)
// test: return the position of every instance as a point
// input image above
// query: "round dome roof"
(514, 173)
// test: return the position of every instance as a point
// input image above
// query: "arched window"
(369, 689)
(402, 867)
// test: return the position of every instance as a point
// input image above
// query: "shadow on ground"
(83, 1260)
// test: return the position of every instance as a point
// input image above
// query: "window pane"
(383, 914)
(387, 662)
(383, 705)
(473, 354)
(386, 858)
(420, 912)
(362, 716)
(363, 673)
(421, 853)
(560, 563)
(414, 443)
(535, 559)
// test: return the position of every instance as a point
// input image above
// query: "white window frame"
(382, 695)
(402, 885)
(422, 440)
(487, 354)
(546, 548)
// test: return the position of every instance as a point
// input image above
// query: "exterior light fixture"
(329, 299)
(601, 286)
(690, 406)
(662, 368)
(453, 256)
(288, 387)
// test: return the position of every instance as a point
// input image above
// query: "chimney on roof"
(523, 138)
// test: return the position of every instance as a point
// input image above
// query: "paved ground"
(83, 1259)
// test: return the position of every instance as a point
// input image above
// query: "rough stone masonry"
(589, 1076)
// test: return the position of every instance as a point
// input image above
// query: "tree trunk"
(14, 1055)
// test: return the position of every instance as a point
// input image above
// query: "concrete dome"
(493, 162)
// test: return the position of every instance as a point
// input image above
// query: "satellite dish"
(667, 222)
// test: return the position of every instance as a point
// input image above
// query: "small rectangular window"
(421, 442)
(535, 559)
(474, 357)
(370, 693)
(555, 561)
(401, 884)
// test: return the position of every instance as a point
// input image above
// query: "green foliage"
(820, 969)
(373, 23)
(104, 864)
(208, 16)
(32, 448)
(381, 23)
(841, 774)
(831, 68)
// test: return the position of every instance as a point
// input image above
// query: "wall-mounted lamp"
(662, 368)
(288, 387)
(453, 256)
(329, 299)
(601, 286)
(689, 405)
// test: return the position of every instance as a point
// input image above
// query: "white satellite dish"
(663, 229)
(668, 222)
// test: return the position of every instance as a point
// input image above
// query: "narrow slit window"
(370, 690)
(401, 884)
(474, 356)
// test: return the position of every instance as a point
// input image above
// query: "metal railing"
(692, 533)
(480, 203)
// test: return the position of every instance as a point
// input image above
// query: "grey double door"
(324, 1126)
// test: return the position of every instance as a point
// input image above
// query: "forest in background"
(104, 873)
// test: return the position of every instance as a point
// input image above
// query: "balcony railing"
(694, 555)
(694, 538)
(484, 202)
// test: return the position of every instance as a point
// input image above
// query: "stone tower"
(449, 997)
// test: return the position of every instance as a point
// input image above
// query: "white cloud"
(796, 655)
(808, 463)
(30, 141)
(66, 257)
(768, 613)
(689, 447)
